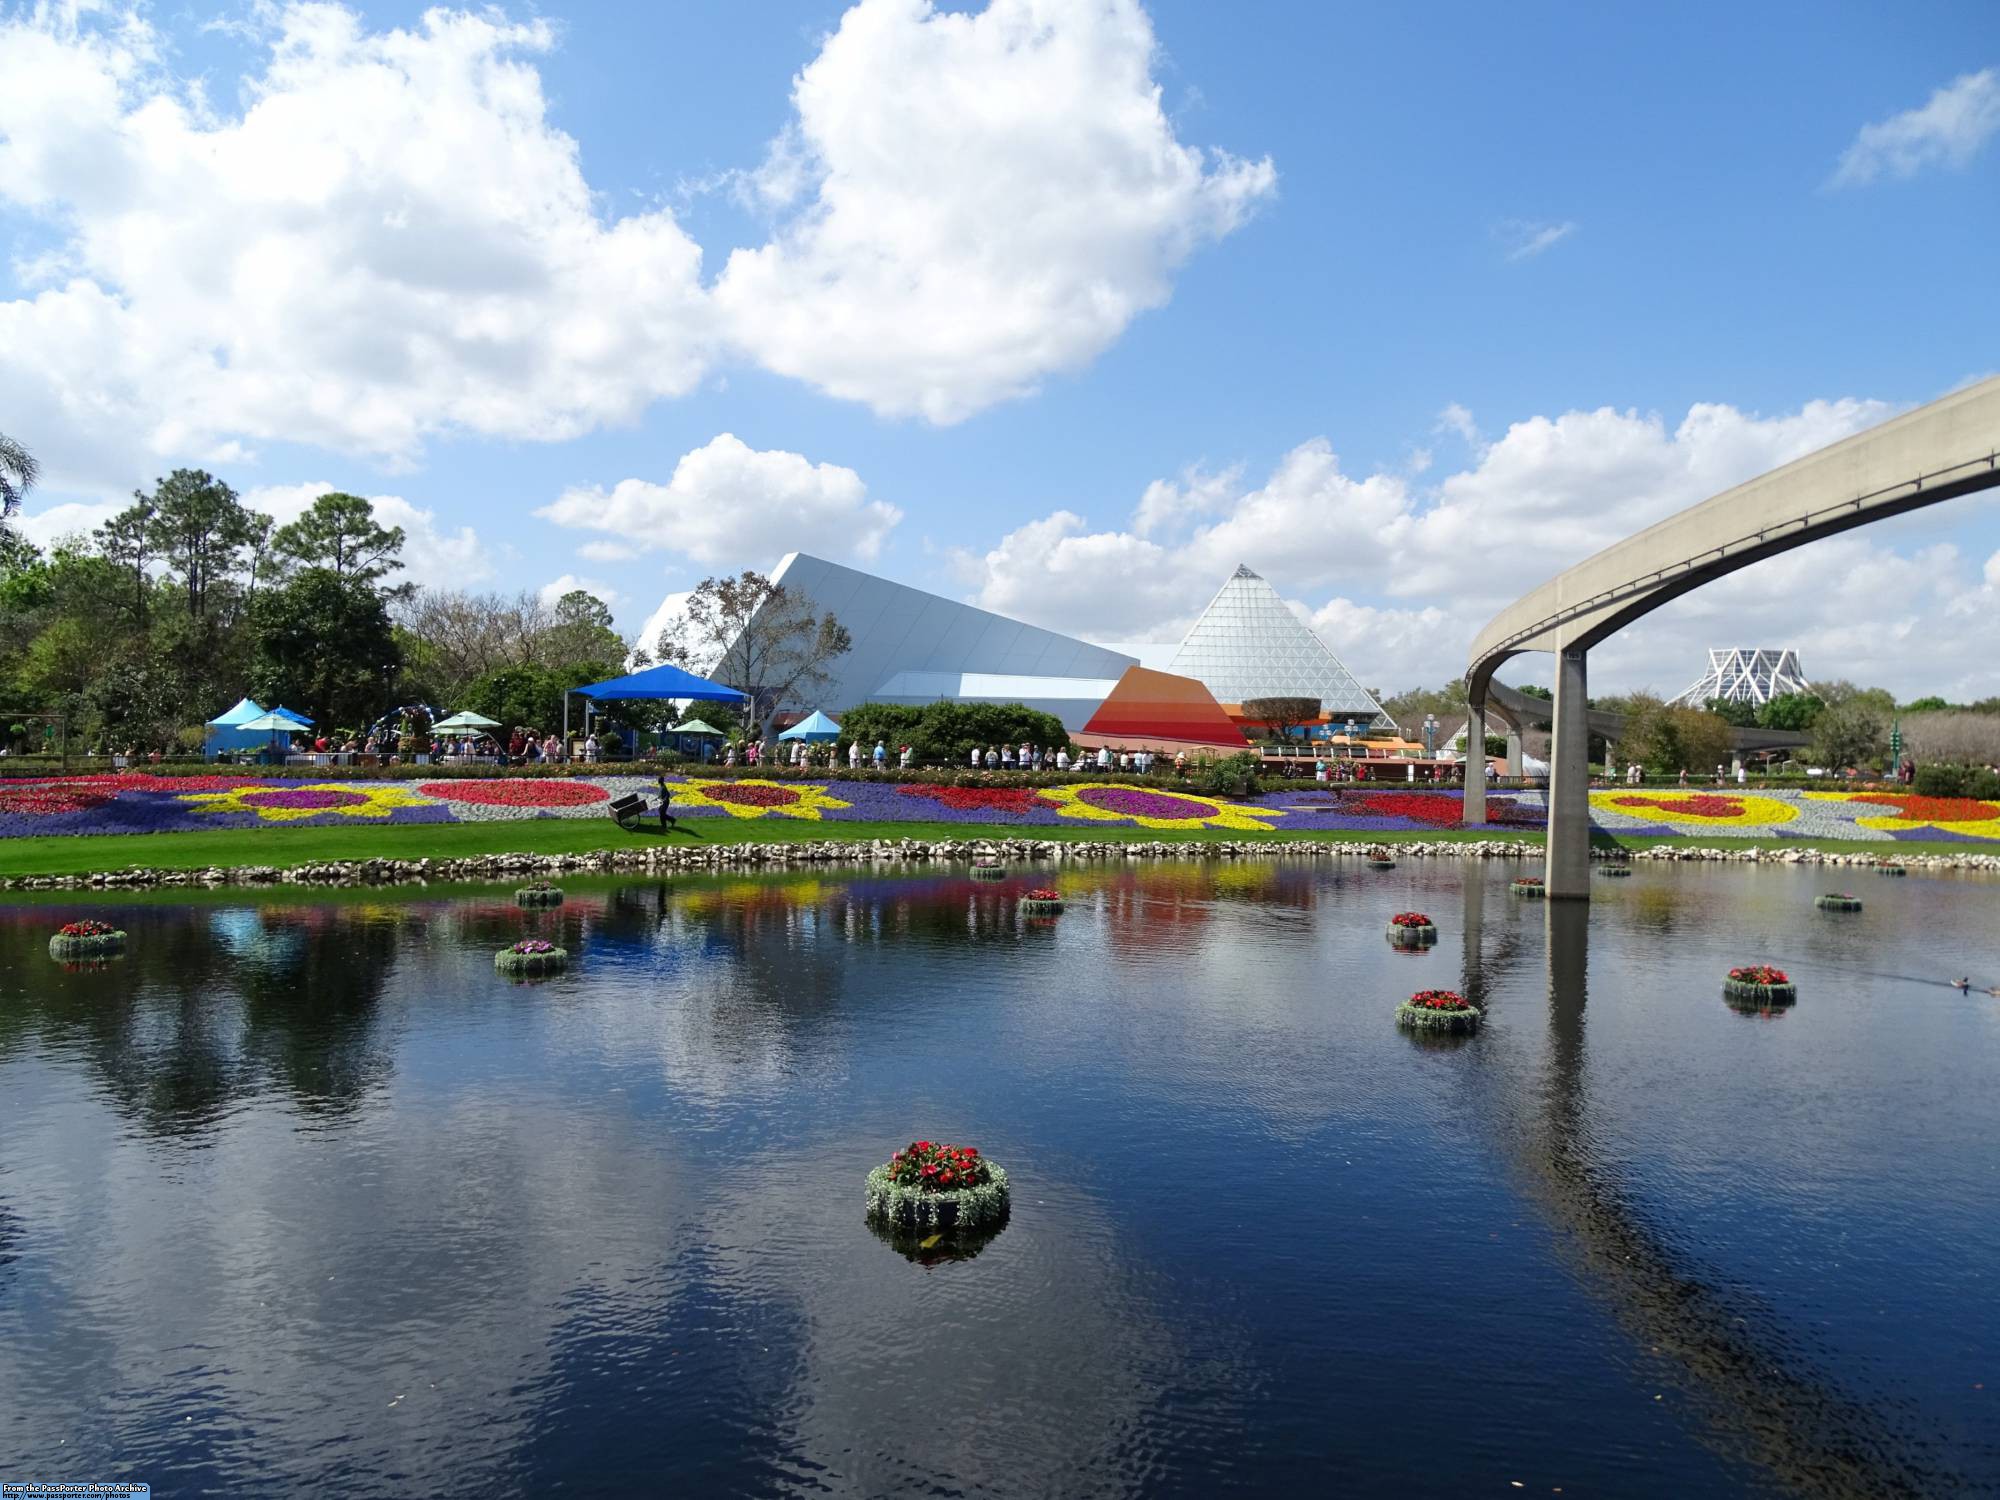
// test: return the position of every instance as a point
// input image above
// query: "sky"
(1060, 307)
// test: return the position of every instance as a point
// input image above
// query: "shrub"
(1957, 781)
(1232, 776)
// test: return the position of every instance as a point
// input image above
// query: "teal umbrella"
(817, 727)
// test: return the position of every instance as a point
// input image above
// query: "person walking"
(854, 755)
(666, 818)
(992, 759)
(975, 757)
(881, 755)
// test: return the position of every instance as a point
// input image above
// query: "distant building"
(1744, 674)
(1249, 644)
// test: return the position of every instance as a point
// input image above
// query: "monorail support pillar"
(1474, 815)
(1567, 872)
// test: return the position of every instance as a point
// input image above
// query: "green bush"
(945, 733)
(1232, 776)
(1957, 781)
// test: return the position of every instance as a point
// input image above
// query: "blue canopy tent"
(815, 727)
(663, 681)
(293, 714)
(226, 732)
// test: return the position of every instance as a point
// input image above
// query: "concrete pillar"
(1566, 875)
(1475, 764)
(1514, 758)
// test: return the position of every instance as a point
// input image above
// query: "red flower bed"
(1699, 805)
(1439, 1000)
(932, 1168)
(50, 799)
(88, 927)
(1411, 919)
(1043, 893)
(517, 793)
(1932, 809)
(1012, 799)
(1759, 974)
(747, 796)
(1419, 807)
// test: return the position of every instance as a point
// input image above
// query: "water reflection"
(448, 1235)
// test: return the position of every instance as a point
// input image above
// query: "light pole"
(1430, 736)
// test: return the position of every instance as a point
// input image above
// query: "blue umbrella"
(818, 727)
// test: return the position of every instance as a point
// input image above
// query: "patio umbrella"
(694, 726)
(299, 720)
(816, 727)
(465, 722)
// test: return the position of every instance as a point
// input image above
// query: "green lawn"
(70, 855)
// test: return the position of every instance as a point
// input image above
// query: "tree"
(1957, 736)
(757, 636)
(18, 473)
(946, 732)
(127, 541)
(582, 630)
(1841, 693)
(1792, 711)
(200, 529)
(1740, 712)
(1928, 705)
(1282, 714)
(339, 533)
(1848, 734)
(323, 643)
(1667, 739)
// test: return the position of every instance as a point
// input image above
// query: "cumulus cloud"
(432, 554)
(382, 237)
(727, 500)
(387, 240)
(1523, 239)
(1946, 130)
(977, 201)
(569, 583)
(1397, 577)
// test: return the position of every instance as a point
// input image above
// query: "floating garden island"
(941, 1186)
(1528, 885)
(1837, 901)
(1760, 985)
(1615, 871)
(86, 939)
(532, 956)
(539, 893)
(1438, 1010)
(1412, 929)
(1042, 902)
(988, 868)
(1380, 859)
(1891, 870)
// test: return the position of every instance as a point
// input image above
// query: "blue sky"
(1372, 291)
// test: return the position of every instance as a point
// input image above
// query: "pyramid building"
(1249, 644)
(1149, 707)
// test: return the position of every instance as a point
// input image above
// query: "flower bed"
(1042, 901)
(1438, 1010)
(1412, 929)
(1760, 983)
(1837, 901)
(531, 956)
(949, 1187)
(539, 893)
(85, 939)
(1528, 885)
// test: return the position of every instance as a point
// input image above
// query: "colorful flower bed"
(930, 1183)
(1438, 1010)
(531, 956)
(1042, 901)
(125, 803)
(1761, 983)
(88, 938)
(1412, 929)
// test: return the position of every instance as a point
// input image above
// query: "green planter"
(97, 945)
(967, 1208)
(1412, 937)
(1837, 901)
(1615, 872)
(1381, 864)
(1760, 995)
(1041, 906)
(1423, 1018)
(1533, 889)
(989, 872)
(507, 961)
(538, 896)
(1896, 870)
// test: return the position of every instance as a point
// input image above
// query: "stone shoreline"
(657, 859)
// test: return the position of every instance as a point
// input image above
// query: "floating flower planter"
(1837, 901)
(1438, 1010)
(1412, 929)
(1528, 885)
(1615, 872)
(540, 893)
(1042, 902)
(1760, 984)
(988, 869)
(1380, 859)
(532, 956)
(942, 1186)
(86, 939)
(1890, 870)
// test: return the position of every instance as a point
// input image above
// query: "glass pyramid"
(1248, 644)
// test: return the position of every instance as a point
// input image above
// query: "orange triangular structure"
(1149, 705)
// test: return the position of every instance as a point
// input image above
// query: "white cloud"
(727, 501)
(555, 588)
(993, 197)
(1398, 577)
(78, 518)
(432, 555)
(1526, 238)
(1947, 130)
(607, 552)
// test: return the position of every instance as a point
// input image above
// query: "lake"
(300, 1195)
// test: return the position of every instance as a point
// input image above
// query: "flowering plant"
(531, 946)
(1043, 893)
(1410, 919)
(1444, 1000)
(1527, 880)
(926, 1167)
(88, 927)
(1759, 974)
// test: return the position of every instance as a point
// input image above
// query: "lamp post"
(1430, 736)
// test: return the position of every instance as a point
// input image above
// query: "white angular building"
(1249, 644)
(1746, 674)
